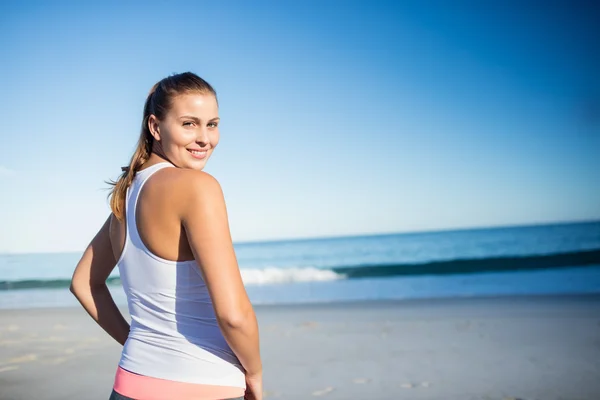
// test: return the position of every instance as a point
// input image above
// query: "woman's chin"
(198, 165)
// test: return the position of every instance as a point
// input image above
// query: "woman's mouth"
(199, 154)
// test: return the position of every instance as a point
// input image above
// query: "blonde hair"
(158, 104)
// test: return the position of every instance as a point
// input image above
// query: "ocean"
(525, 260)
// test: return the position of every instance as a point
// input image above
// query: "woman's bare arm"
(89, 285)
(204, 217)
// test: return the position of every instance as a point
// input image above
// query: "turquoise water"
(549, 259)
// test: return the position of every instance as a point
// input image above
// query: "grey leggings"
(116, 396)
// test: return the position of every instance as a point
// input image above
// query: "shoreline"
(367, 302)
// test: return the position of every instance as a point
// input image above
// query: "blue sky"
(338, 118)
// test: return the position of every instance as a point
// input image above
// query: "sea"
(524, 260)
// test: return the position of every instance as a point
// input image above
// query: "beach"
(516, 347)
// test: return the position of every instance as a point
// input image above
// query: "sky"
(338, 117)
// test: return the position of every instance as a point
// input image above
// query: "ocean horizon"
(522, 260)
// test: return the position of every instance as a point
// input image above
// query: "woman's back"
(174, 331)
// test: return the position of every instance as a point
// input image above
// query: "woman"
(193, 332)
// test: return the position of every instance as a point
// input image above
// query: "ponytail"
(140, 156)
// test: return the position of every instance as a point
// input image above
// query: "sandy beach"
(474, 348)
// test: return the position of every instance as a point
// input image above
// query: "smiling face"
(189, 132)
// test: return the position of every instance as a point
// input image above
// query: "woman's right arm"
(204, 218)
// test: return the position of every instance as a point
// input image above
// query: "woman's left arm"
(89, 285)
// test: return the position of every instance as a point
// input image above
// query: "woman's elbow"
(236, 319)
(80, 286)
(76, 287)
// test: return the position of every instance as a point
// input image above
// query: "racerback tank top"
(174, 333)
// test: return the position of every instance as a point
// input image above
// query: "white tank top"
(174, 333)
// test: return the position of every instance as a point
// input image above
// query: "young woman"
(193, 332)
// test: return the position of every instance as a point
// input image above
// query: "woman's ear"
(153, 127)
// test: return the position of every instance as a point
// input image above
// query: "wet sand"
(476, 348)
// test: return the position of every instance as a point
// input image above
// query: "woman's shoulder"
(195, 196)
(188, 185)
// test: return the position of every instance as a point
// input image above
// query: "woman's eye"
(212, 124)
(188, 123)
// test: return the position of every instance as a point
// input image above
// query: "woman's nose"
(202, 135)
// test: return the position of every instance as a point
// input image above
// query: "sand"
(475, 348)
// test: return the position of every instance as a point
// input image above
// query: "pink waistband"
(146, 388)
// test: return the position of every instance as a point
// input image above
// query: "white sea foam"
(284, 275)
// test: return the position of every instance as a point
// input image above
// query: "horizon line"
(358, 235)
